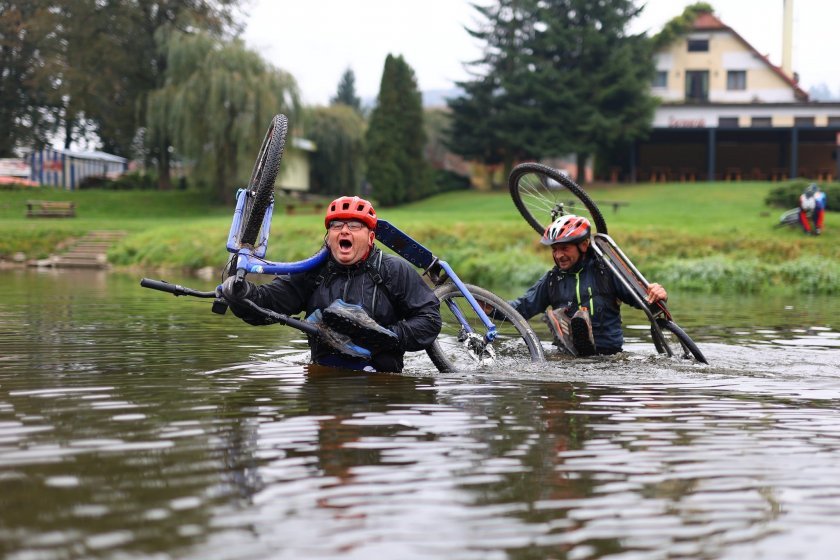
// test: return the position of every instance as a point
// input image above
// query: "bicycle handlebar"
(174, 289)
(279, 318)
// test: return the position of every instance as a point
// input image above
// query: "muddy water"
(137, 425)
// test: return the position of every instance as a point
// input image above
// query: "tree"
(85, 67)
(346, 93)
(28, 49)
(153, 21)
(556, 77)
(395, 138)
(612, 72)
(216, 103)
(339, 133)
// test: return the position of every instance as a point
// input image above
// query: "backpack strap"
(325, 274)
(373, 272)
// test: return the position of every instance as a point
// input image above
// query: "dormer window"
(698, 45)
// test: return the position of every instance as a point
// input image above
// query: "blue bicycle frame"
(252, 260)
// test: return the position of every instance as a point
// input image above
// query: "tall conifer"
(556, 77)
(346, 93)
(395, 139)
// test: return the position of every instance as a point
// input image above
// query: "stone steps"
(90, 251)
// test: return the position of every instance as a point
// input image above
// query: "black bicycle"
(542, 194)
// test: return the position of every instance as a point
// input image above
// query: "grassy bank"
(715, 237)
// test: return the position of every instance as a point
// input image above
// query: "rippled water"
(137, 425)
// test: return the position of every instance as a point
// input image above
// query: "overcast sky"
(316, 40)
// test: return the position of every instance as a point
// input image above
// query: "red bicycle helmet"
(351, 208)
(567, 229)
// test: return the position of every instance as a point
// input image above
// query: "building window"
(660, 80)
(697, 85)
(736, 80)
(803, 121)
(728, 122)
(762, 121)
(698, 45)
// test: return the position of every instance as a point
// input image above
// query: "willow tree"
(339, 133)
(216, 103)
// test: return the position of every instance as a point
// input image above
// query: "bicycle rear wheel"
(456, 350)
(543, 194)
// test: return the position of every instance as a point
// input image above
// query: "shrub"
(787, 195)
(131, 181)
(446, 181)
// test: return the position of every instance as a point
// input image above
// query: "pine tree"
(556, 77)
(346, 93)
(397, 170)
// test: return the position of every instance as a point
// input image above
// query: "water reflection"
(134, 424)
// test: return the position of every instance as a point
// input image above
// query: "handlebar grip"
(174, 289)
(161, 286)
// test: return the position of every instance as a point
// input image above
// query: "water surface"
(137, 425)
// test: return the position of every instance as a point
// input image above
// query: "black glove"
(233, 292)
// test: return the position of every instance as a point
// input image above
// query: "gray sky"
(316, 40)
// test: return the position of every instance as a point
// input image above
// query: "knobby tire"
(689, 348)
(262, 179)
(536, 199)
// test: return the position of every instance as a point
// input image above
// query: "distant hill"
(438, 97)
(431, 98)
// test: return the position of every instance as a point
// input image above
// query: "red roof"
(706, 21)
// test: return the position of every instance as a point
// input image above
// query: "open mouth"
(345, 244)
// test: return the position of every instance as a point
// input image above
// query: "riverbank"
(716, 238)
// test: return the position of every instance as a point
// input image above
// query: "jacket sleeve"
(416, 304)
(535, 300)
(285, 294)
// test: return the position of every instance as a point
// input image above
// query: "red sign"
(686, 123)
(54, 165)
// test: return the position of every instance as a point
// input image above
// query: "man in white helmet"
(583, 294)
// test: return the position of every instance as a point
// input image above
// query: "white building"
(727, 112)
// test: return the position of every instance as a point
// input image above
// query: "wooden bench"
(313, 208)
(50, 209)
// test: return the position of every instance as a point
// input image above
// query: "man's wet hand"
(656, 292)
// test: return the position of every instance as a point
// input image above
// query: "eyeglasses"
(353, 225)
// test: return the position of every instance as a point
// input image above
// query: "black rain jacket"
(589, 284)
(387, 287)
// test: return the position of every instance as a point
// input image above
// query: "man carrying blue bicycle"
(371, 307)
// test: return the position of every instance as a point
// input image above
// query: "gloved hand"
(235, 293)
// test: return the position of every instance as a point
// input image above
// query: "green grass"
(714, 237)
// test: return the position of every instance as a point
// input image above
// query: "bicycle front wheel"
(455, 349)
(542, 194)
(262, 179)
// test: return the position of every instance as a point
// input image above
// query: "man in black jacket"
(378, 301)
(585, 297)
